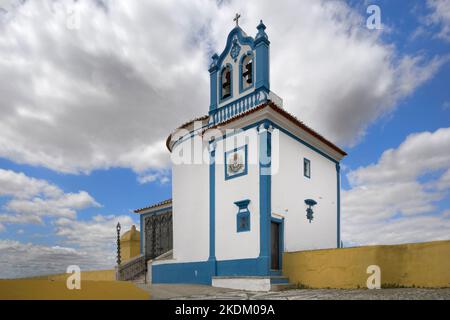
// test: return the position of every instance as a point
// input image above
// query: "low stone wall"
(409, 265)
(95, 275)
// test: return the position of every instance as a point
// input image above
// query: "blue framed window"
(246, 72)
(306, 168)
(236, 163)
(226, 82)
(243, 216)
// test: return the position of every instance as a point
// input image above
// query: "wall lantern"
(309, 211)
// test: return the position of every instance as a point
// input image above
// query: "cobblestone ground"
(329, 294)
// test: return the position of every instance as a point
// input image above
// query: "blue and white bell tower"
(240, 75)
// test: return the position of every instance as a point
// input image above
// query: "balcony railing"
(243, 104)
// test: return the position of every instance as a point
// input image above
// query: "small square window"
(306, 168)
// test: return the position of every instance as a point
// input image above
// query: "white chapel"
(250, 182)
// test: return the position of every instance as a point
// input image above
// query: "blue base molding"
(202, 272)
(189, 272)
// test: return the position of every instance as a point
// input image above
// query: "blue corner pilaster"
(213, 83)
(338, 177)
(212, 209)
(265, 153)
(262, 78)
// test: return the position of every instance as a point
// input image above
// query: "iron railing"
(131, 269)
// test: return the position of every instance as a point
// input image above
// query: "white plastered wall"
(231, 244)
(289, 190)
(190, 200)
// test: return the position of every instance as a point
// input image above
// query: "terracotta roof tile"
(276, 108)
(159, 204)
(289, 116)
(184, 125)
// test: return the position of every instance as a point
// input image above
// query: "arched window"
(247, 72)
(225, 80)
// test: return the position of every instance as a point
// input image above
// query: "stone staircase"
(280, 283)
(254, 283)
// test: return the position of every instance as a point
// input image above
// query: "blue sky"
(87, 107)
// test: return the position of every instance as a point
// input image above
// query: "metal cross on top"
(236, 18)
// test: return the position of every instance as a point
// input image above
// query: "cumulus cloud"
(19, 259)
(396, 199)
(101, 84)
(93, 234)
(440, 16)
(30, 199)
(90, 244)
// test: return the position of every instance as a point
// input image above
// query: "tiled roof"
(276, 108)
(184, 125)
(289, 116)
(159, 204)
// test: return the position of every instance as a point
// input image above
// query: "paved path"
(199, 292)
(332, 294)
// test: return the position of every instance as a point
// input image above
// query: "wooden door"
(275, 246)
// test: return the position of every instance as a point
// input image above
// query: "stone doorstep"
(253, 283)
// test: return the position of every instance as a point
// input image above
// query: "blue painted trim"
(245, 40)
(338, 176)
(275, 272)
(243, 214)
(242, 204)
(187, 136)
(304, 143)
(265, 206)
(213, 90)
(262, 77)
(280, 239)
(241, 69)
(307, 161)
(243, 173)
(242, 267)
(275, 126)
(239, 100)
(212, 208)
(279, 281)
(221, 100)
(189, 272)
(203, 271)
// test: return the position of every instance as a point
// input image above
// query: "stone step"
(279, 280)
(253, 283)
(282, 286)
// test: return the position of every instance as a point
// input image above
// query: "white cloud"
(395, 200)
(108, 93)
(19, 185)
(87, 243)
(95, 234)
(30, 199)
(90, 244)
(440, 16)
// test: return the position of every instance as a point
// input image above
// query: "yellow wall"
(96, 275)
(130, 244)
(129, 249)
(422, 265)
(43, 289)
